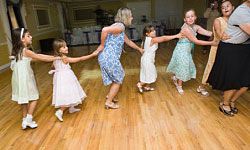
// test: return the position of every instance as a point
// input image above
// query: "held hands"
(57, 58)
(215, 43)
(95, 53)
(225, 37)
(141, 50)
(179, 35)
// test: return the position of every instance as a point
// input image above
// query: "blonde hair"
(123, 15)
(57, 44)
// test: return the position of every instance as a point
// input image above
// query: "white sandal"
(147, 88)
(174, 80)
(202, 91)
(139, 86)
(179, 89)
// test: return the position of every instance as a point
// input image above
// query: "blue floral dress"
(181, 63)
(109, 58)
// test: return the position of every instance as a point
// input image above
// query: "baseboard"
(3, 67)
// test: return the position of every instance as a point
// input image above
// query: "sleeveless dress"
(213, 51)
(23, 82)
(148, 73)
(181, 63)
(109, 58)
(67, 91)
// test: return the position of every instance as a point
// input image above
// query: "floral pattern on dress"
(109, 59)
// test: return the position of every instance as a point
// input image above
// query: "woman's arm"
(77, 59)
(104, 34)
(41, 57)
(186, 32)
(245, 28)
(202, 31)
(132, 44)
(217, 28)
(165, 38)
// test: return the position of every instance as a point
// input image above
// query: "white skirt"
(67, 91)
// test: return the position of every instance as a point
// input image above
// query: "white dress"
(23, 82)
(148, 72)
(67, 91)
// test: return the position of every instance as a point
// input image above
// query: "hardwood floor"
(161, 119)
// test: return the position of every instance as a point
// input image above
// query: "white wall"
(139, 9)
(170, 10)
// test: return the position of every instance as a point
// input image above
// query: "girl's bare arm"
(188, 34)
(77, 59)
(132, 44)
(41, 57)
(165, 38)
(202, 31)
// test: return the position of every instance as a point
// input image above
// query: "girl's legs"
(25, 110)
(114, 88)
(32, 106)
(179, 82)
(28, 110)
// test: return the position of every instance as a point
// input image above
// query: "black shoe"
(226, 112)
(233, 108)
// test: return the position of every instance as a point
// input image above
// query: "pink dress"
(67, 91)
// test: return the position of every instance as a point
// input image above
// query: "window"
(42, 17)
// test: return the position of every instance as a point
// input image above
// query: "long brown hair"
(17, 44)
(146, 29)
(57, 44)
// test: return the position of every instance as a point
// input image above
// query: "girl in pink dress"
(67, 91)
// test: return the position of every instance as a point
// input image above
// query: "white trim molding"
(4, 66)
(44, 8)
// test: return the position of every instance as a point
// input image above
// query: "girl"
(220, 25)
(148, 72)
(67, 91)
(24, 89)
(112, 40)
(181, 64)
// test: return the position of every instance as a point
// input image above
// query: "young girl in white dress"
(24, 89)
(67, 91)
(148, 73)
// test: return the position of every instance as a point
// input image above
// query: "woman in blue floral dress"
(112, 41)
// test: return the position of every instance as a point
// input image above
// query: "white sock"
(60, 111)
(29, 118)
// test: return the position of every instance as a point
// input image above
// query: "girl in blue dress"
(181, 63)
(112, 41)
